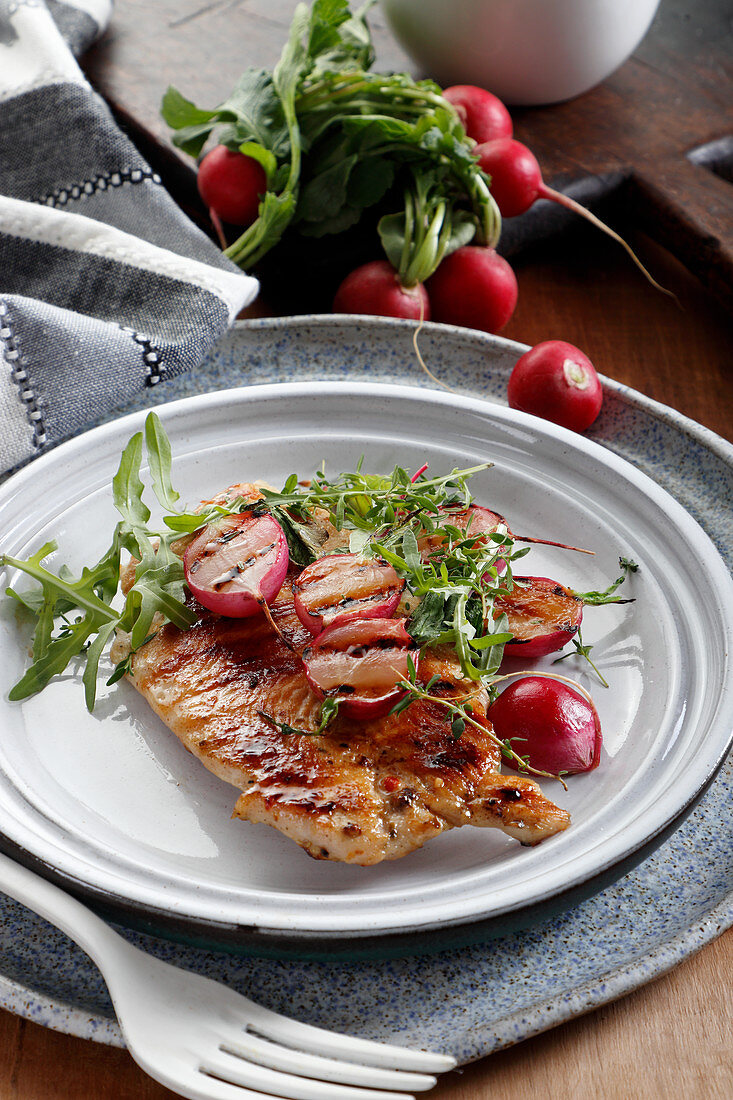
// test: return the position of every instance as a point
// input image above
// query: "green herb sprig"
(326, 715)
(79, 615)
(457, 583)
(599, 599)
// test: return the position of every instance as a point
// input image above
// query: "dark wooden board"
(652, 147)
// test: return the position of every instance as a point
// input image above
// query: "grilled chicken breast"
(360, 792)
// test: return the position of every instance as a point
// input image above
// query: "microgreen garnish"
(326, 715)
(596, 599)
(582, 650)
(369, 502)
(458, 577)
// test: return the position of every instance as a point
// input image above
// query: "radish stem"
(216, 222)
(549, 542)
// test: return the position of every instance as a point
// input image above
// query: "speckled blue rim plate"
(479, 998)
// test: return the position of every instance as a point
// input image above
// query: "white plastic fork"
(206, 1042)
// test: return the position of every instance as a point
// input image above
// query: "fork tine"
(276, 1057)
(272, 1083)
(198, 1086)
(291, 1033)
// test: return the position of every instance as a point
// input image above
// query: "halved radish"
(473, 521)
(557, 728)
(543, 616)
(343, 587)
(236, 564)
(361, 663)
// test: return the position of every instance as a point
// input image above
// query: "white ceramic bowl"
(525, 51)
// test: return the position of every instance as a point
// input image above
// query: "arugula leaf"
(80, 594)
(75, 615)
(158, 447)
(54, 660)
(91, 667)
(127, 488)
(304, 544)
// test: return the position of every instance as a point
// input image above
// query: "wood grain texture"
(659, 1043)
(624, 146)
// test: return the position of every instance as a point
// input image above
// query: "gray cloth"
(105, 286)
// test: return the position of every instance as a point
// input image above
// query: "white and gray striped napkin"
(105, 286)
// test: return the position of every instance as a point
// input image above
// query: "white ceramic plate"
(113, 806)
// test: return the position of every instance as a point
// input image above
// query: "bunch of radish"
(473, 286)
(323, 146)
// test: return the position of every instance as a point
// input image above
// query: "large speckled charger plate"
(476, 999)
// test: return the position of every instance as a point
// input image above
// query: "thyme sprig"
(460, 713)
(598, 599)
(328, 710)
(582, 650)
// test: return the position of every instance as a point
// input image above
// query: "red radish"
(516, 183)
(237, 564)
(516, 178)
(559, 728)
(543, 616)
(361, 663)
(231, 185)
(484, 117)
(343, 587)
(558, 382)
(474, 287)
(375, 288)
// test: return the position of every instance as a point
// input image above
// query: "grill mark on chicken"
(361, 792)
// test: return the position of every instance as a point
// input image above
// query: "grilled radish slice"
(543, 616)
(342, 587)
(237, 564)
(361, 663)
(474, 521)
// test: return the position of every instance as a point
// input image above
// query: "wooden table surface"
(667, 1039)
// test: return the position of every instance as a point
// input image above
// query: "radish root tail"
(571, 204)
(268, 615)
(420, 359)
(216, 222)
